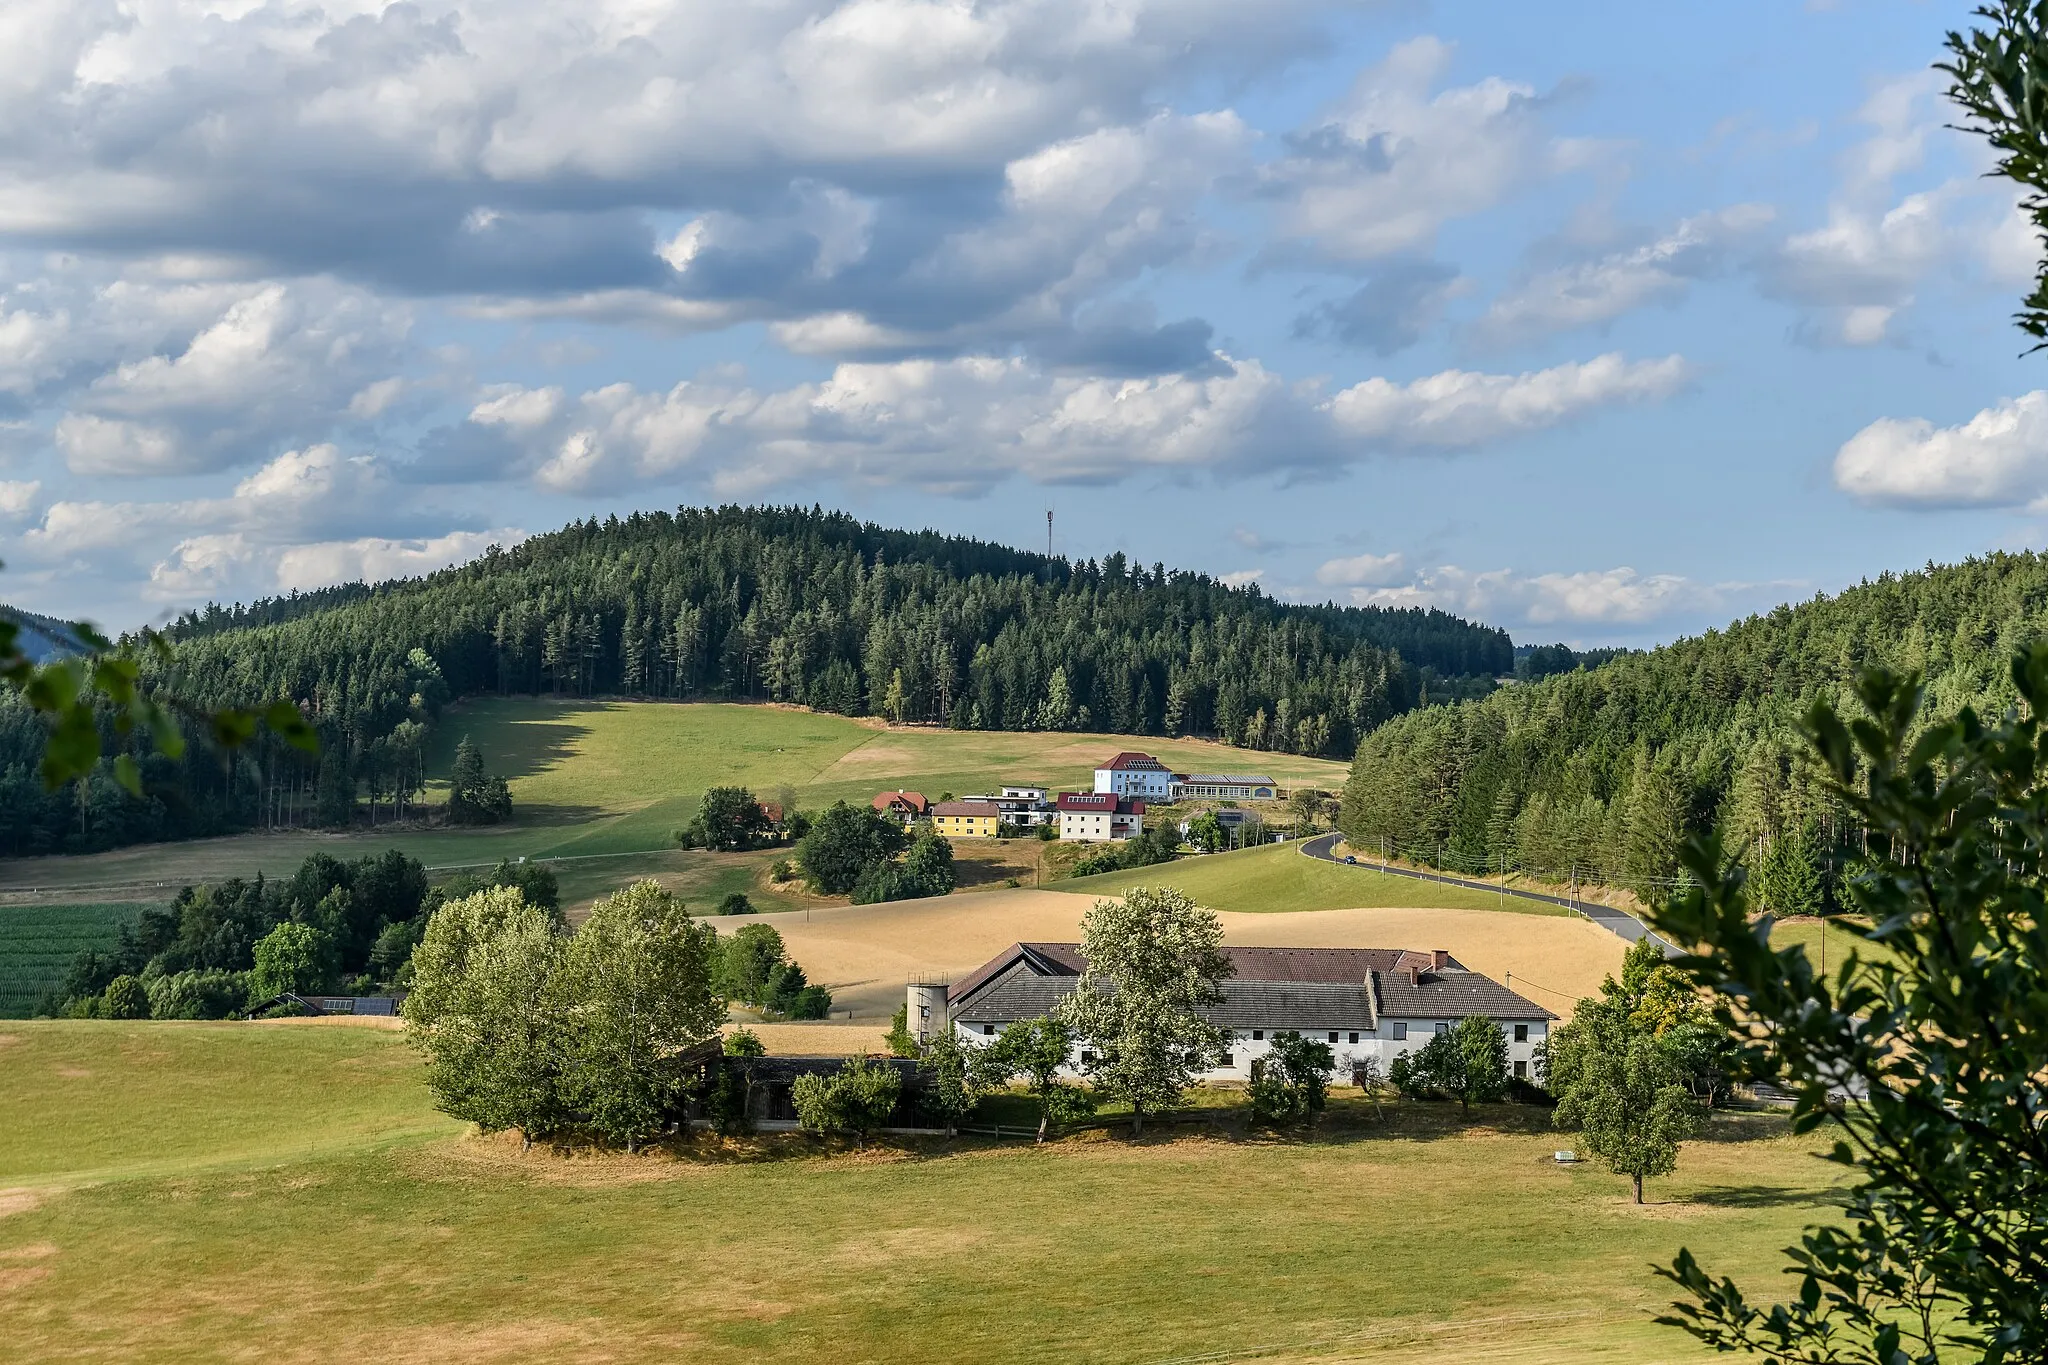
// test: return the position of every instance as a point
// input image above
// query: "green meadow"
(1277, 877)
(613, 779)
(198, 1192)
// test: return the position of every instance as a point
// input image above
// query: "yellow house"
(967, 819)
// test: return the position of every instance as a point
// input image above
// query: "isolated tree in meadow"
(1038, 1051)
(1925, 1058)
(1627, 1101)
(638, 972)
(489, 1010)
(475, 797)
(1618, 1068)
(292, 957)
(1154, 964)
(731, 818)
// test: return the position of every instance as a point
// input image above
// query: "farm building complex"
(1115, 810)
(1365, 1002)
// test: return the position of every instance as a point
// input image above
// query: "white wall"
(1378, 1043)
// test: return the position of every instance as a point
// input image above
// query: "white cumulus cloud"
(1997, 458)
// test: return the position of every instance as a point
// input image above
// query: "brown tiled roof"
(1130, 760)
(986, 810)
(1452, 995)
(890, 800)
(1354, 982)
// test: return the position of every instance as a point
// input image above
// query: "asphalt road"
(1606, 916)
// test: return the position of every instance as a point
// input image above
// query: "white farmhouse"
(1092, 817)
(1363, 1002)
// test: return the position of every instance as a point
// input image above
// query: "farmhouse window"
(1354, 1037)
(1258, 1035)
(1229, 1060)
(1400, 1033)
(1521, 1071)
(988, 1028)
(1521, 1033)
(1442, 1027)
(1333, 1037)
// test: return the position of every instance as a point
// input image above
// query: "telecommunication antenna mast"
(1048, 533)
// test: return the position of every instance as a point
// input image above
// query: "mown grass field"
(201, 1192)
(615, 778)
(38, 943)
(1277, 877)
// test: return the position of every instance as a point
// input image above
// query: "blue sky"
(1601, 328)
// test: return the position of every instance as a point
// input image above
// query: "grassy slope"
(1418, 1240)
(39, 942)
(616, 777)
(1278, 877)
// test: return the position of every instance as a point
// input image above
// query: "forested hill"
(1603, 772)
(777, 604)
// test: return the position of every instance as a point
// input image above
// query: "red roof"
(1129, 761)
(1106, 803)
(910, 801)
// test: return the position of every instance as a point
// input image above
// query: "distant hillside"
(42, 637)
(1601, 772)
(781, 604)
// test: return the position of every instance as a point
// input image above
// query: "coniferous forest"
(1600, 775)
(780, 604)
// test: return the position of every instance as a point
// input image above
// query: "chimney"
(1440, 958)
(1414, 976)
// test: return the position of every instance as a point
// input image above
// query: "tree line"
(777, 604)
(1602, 774)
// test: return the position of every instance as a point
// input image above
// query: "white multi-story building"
(1095, 817)
(1364, 1002)
(1134, 775)
(1024, 807)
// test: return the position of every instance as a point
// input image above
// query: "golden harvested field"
(866, 953)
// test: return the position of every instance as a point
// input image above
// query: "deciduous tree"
(639, 974)
(1154, 965)
(490, 1010)
(1922, 1057)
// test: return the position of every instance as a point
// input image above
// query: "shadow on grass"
(1762, 1197)
(542, 739)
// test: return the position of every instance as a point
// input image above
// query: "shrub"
(902, 1042)
(858, 1098)
(736, 904)
(781, 872)
(197, 995)
(124, 999)
(812, 1002)
(1291, 1084)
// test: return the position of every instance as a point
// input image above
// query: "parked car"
(1351, 859)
